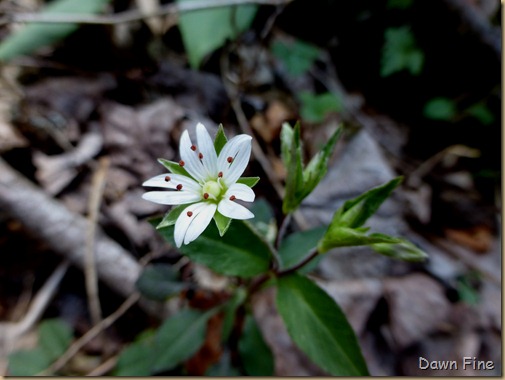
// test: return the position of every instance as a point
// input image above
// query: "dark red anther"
(167, 178)
(181, 163)
(200, 156)
(229, 159)
(220, 174)
(190, 214)
(206, 196)
(179, 187)
(193, 148)
(232, 198)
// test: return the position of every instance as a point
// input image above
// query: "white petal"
(239, 148)
(192, 163)
(188, 228)
(240, 191)
(200, 222)
(171, 197)
(175, 179)
(206, 147)
(234, 210)
(183, 222)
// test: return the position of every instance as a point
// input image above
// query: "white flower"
(213, 185)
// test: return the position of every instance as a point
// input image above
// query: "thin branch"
(104, 368)
(10, 332)
(132, 15)
(91, 277)
(91, 334)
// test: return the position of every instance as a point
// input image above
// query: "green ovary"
(214, 189)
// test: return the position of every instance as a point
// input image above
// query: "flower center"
(212, 188)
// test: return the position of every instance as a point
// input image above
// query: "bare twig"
(91, 334)
(10, 333)
(64, 231)
(132, 15)
(91, 278)
(104, 368)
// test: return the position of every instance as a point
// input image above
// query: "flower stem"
(301, 264)
(282, 229)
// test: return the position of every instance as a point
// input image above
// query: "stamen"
(233, 197)
(179, 187)
(200, 156)
(229, 159)
(206, 196)
(220, 174)
(190, 214)
(193, 148)
(167, 178)
(181, 163)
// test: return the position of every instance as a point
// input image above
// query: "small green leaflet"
(400, 52)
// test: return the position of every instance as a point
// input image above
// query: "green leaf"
(241, 252)
(297, 56)
(298, 245)
(402, 250)
(179, 338)
(249, 181)
(256, 356)
(174, 167)
(222, 223)
(291, 151)
(230, 310)
(318, 327)
(318, 166)
(159, 282)
(349, 237)
(138, 358)
(28, 362)
(355, 212)
(315, 108)
(440, 109)
(205, 30)
(54, 337)
(224, 367)
(481, 113)
(400, 52)
(220, 140)
(399, 4)
(34, 36)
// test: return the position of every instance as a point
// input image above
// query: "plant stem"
(282, 229)
(302, 263)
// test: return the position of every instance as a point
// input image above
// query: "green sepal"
(403, 250)
(220, 140)
(174, 167)
(349, 237)
(171, 216)
(222, 223)
(249, 181)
